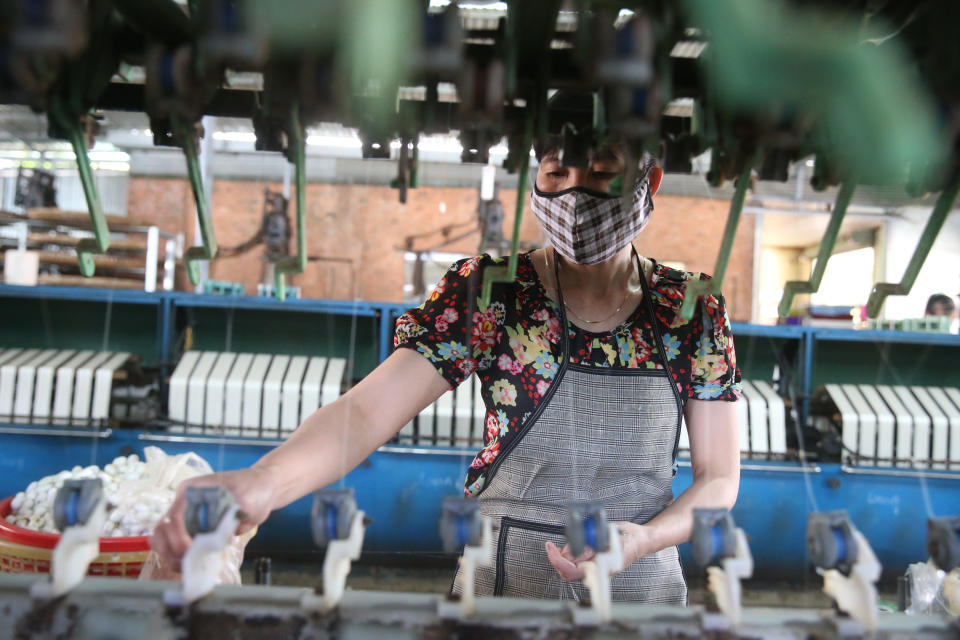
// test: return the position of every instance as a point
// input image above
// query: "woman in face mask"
(586, 369)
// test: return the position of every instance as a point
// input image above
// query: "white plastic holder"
(724, 581)
(336, 567)
(21, 267)
(78, 546)
(203, 561)
(856, 594)
(951, 592)
(597, 580)
(473, 557)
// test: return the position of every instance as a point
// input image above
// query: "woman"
(586, 368)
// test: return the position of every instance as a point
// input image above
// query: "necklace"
(626, 294)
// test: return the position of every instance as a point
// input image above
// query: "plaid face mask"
(586, 226)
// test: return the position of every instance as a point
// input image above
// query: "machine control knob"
(332, 515)
(461, 523)
(587, 527)
(830, 541)
(713, 536)
(206, 506)
(75, 502)
(943, 542)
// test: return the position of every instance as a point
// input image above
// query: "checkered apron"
(604, 434)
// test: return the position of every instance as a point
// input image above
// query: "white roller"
(743, 418)
(332, 381)
(216, 390)
(463, 413)
(776, 416)
(63, 393)
(103, 385)
(867, 440)
(233, 394)
(8, 379)
(759, 427)
(8, 354)
(197, 390)
(43, 392)
(884, 420)
(479, 412)
(954, 395)
(940, 426)
(83, 386)
(253, 393)
(290, 411)
(177, 394)
(26, 379)
(904, 426)
(312, 384)
(850, 419)
(425, 430)
(272, 387)
(406, 435)
(921, 427)
(952, 413)
(683, 446)
(444, 410)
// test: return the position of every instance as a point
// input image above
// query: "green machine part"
(186, 133)
(100, 242)
(297, 263)
(939, 215)
(812, 285)
(509, 272)
(697, 288)
(763, 55)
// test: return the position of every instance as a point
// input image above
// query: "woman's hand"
(253, 489)
(635, 542)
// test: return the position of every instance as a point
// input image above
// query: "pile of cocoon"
(134, 504)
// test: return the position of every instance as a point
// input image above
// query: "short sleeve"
(443, 328)
(713, 362)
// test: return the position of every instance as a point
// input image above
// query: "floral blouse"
(514, 344)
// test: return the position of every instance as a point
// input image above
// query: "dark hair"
(938, 299)
(546, 146)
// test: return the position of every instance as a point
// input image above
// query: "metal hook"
(188, 142)
(794, 287)
(509, 273)
(697, 288)
(939, 215)
(296, 153)
(99, 244)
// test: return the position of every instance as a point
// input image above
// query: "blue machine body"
(401, 489)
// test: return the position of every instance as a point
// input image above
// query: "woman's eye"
(556, 174)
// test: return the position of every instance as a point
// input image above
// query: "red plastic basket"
(26, 551)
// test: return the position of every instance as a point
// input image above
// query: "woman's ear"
(654, 176)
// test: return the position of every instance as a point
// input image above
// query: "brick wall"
(367, 225)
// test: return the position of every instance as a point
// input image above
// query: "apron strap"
(654, 325)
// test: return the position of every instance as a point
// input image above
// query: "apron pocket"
(524, 571)
(522, 567)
